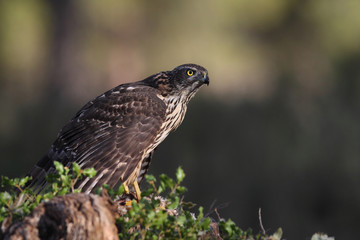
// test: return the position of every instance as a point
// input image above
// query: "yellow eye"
(190, 72)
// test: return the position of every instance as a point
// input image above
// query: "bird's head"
(183, 80)
(189, 77)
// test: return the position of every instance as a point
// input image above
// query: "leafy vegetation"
(160, 214)
(17, 202)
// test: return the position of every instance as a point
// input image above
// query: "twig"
(212, 206)
(218, 215)
(220, 206)
(260, 221)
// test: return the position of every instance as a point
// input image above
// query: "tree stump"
(74, 216)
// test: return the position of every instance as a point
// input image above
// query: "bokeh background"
(278, 127)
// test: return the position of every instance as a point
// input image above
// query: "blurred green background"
(278, 127)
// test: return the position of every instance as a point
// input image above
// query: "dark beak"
(206, 79)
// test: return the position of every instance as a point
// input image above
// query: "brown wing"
(110, 133)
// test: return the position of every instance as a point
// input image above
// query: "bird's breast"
(175, 113)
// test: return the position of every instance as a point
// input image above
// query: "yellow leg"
(126, 188)
(137, 190)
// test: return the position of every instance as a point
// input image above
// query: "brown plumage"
(117, 132)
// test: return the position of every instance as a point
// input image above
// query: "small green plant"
(167, 217)
(63, 182)
(9, 200)
(17, 202)
(164, 217)
(160, 214)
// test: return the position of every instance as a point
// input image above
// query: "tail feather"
(38, 173)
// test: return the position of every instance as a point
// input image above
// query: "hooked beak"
(205, 79)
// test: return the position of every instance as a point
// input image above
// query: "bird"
(117, 132)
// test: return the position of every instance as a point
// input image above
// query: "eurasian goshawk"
(117, 132)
